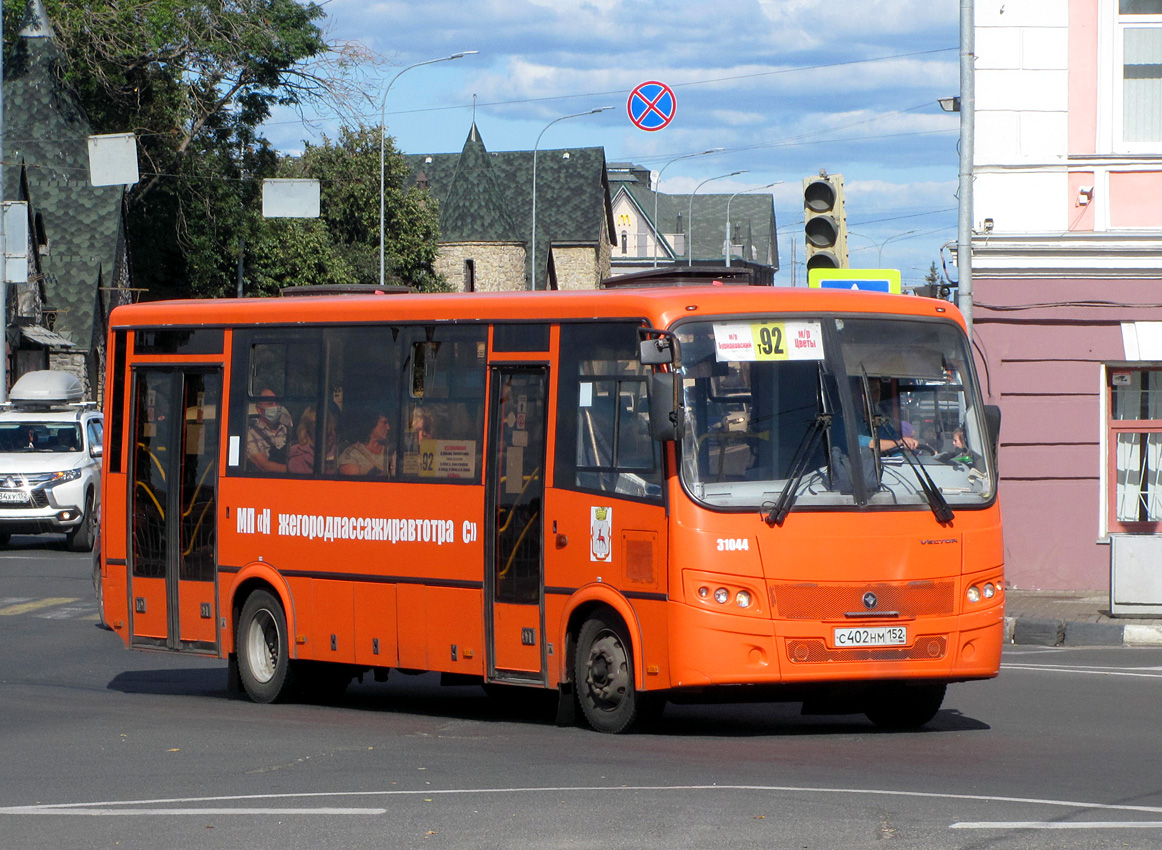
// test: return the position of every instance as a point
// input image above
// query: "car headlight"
(62, 477)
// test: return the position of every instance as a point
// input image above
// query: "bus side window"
(282, 382)
(603, 441)
(442, 410)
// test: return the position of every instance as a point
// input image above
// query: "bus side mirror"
(665, 412)
(992, 424)
(656, 351)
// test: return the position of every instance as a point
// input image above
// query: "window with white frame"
(1138, 52)
(1136, 448)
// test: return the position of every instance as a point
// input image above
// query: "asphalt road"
(103, 747)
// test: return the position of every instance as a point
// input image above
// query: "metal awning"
(45, 337)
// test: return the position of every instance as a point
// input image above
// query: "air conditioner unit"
(1136, 575)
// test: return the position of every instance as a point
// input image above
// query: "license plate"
(13, 496)
(878, 636)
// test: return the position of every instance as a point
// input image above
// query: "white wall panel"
(997, 138)
(1021, 202)
(998, 48)
(1021, 13)
(1042, 91)
(1045, 49)
(1044, 135)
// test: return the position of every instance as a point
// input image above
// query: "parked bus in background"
(664, 493)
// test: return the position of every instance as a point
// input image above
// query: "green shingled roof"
(46, 130)
(487, 197)
(753, 214)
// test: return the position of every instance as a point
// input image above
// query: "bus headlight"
(989, 590)
(721, 595)
(704, 591)
(974, 594)
(743, 599)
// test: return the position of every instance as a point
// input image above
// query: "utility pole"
(964, 188)
(3, 234)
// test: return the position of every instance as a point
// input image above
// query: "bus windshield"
(778, 407)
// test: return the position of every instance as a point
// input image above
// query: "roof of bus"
(661, 306)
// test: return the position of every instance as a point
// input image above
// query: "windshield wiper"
(782, 505)
(936, 500)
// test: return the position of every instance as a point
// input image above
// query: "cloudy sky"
(786, 87)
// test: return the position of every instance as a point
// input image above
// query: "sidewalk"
(1073, 618)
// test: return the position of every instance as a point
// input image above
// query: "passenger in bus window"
(422, 427)
(961, 453)
(268, 435)
(370, 457)
(331, 428)
(301, 457)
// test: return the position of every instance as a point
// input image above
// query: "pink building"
(1067, 276)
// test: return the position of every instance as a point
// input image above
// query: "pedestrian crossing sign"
(868, 280)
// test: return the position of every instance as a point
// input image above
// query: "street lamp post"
(880, 253)
(383, 131)
(726, 238)
(690, 214)
(880, 245)
(533, 250)
(658, 188)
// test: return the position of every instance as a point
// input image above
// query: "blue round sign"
(651, 106)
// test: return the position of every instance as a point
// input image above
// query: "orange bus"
(664, 493)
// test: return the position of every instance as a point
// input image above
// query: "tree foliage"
(348, 172)
(194, 80)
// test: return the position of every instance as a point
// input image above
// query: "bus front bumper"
(709, 649)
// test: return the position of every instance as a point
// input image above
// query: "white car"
(50, 460)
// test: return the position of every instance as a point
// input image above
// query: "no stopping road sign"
(651, 106)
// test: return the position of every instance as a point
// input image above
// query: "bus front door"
(173, 508)
(514, 576)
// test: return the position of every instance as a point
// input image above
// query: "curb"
(1037, 631)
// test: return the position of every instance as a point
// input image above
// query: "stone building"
(714, 227)
(486, 212)
(77, 260)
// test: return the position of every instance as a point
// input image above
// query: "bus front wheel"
(263, 651)
(604, 676)
(899, 706)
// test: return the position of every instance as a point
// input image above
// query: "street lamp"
(658, 188)
(726, 240)
(382, 132)
(880, 253)
(690, 214)
(880, 245)
(533, 259)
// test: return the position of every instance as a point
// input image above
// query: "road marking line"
(36, 605)
(113, 805)
(67, 613)
(1135, 672)
(36, 810)
(1036, 824)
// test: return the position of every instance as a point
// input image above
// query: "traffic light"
(824, 221)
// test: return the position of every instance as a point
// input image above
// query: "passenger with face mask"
(269, 433)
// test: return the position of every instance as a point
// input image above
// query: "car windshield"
(778, 407)
(29, 437)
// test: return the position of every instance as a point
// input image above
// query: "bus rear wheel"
(604, 676)
(899, 706)
(263, 651)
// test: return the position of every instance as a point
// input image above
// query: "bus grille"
(834, 602)
(816, 651)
